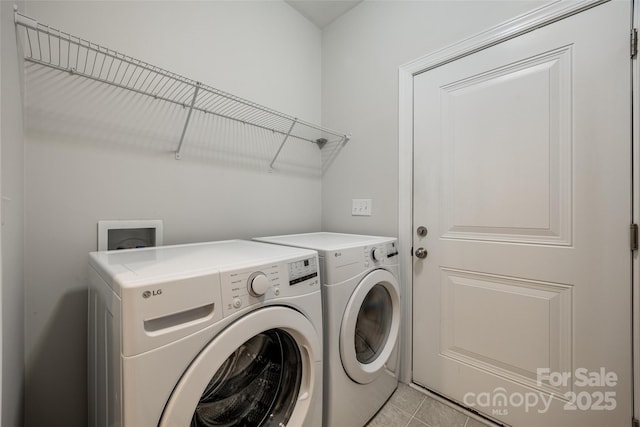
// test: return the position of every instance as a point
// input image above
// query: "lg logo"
(149, 294)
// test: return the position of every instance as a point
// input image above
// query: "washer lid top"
(324, 241)
(126, 267)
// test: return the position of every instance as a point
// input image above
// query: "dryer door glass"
(257, 385)
(373, 324)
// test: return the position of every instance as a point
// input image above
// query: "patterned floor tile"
(390, 416)
(407, 398)
(437, 414)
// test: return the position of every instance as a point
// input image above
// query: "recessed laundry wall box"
(129, 234)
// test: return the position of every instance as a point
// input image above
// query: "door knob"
(421, 253)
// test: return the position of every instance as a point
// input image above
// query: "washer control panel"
(246, 287)
(303, 270)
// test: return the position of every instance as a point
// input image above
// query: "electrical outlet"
(361, 207)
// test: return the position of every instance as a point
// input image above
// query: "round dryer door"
(260, 371)
(370, 326)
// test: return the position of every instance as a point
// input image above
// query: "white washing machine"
(213, 334)
(361, 308)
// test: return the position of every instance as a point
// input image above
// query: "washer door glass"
(262, 369)
(256, 386)
(373, 324)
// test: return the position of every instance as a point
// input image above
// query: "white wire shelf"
(53, 48)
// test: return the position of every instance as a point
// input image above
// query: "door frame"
(635, 215)
(517, 26)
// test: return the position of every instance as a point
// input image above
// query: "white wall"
(12, 178)
(94, 152)
(361, 53)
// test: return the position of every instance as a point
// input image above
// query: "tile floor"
(409, 407)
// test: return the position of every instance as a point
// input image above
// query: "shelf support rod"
(186, 123)
(283, 142)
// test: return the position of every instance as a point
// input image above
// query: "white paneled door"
(522, 178)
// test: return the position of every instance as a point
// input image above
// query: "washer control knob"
(258, 284)
(237, 302)
(376, 254)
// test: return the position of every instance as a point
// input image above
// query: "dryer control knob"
(376, 254)
(258, 284)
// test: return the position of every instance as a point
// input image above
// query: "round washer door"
(260, 371)
(370, 326)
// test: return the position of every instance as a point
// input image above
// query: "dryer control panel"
(380, 254)
(343, 264)
(246, 287)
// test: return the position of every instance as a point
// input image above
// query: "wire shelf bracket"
(186, 122)
(62, 51)
(282, 144)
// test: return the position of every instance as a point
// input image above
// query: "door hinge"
(633, 238)
(634, 42)
(635, 423)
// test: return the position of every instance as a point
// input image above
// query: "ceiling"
(322, 12)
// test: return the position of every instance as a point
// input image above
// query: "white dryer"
(361, 308)
(213, 334)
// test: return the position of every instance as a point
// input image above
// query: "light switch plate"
(361, 207)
